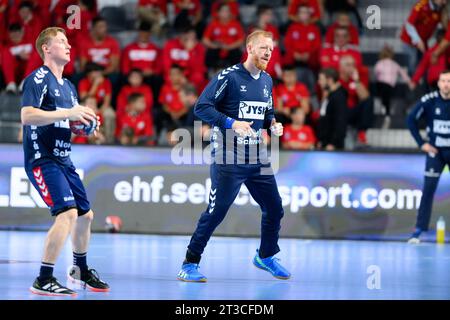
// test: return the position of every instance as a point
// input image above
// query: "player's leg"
(80, 273)
(225, 186)
(51, 184)
(433, 168)
(264, 189)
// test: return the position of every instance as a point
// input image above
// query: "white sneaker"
(11, 87)
(414, 241)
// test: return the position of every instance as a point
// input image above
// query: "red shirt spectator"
(291, 97)
(424, 17)
(433, 70)
(331, 55)
(170, 97)
(3, 29)
(60, 12)
(161, 4)
(352, 30)
(312, 4)
(302, 134)
(103, 89)
(127, 90)
(194, 6)
(189, 54)
(141, 123)
(16, 55)
(226, 33)
(232, 4)
(350, 85)
(142, 56)
(302, 39)
(100, 52)
(41, 9)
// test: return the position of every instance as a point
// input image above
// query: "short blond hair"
(44, 38)
(256, 34)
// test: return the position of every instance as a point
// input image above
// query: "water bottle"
(440, 230)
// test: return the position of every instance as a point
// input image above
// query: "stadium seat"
(10, 107)
(116, 18)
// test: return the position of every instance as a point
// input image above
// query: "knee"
(68, 217)
(89, 216)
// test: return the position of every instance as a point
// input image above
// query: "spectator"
(265, 21)
(350, 6)
(298, 136)
(232, 4)
(174, 113)
(314, 7)
(16, 55)
(342, 20)
(432, 68)
(223, 38)
(145, 56)
(135, 85)
(59, 13)
(95, 84)
(355, 81)
(154, 12)
(302, 44)
(386, 74)
(31, 24)
(289, 95)
(40, 9)
(135, 127)
(420, 26)
(98, 138)
(187, 52)
(330, 55)
(332, 126)
(188, 12)
(101, 48)
(4, 4)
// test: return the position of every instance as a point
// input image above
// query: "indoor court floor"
(145, 267)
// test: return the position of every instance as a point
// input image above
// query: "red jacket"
(224, 33)
(105, 88)
(331, 55)
(313, 4)
(290, 98)
(127, 90)
(302, 38)
(304, 134)
(434, 70)
(143, 56)
(193, 61)
(424, 19)
(170, 97)
(350, 86)
(353, 31)
(100, 52)
(141, 123)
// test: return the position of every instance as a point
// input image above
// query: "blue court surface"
(145, 267)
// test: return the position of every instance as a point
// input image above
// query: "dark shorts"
(60, 187)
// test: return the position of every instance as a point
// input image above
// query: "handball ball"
(113, 224)
(80, 129)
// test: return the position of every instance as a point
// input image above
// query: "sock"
(191, 257)
(79, 259)
(46, 271)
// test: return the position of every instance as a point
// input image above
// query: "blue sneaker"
(415, 237)
(189, 273)
(271, 265)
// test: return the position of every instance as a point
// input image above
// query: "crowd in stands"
(144, 91)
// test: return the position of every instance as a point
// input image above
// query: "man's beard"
(259, 64)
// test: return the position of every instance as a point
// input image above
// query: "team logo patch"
(266, 92)
(243, 88)
(252, 110)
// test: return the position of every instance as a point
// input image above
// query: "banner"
(325, 194)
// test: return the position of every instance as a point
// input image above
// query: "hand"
(428, 148)
(355, 75)
(243, 128)
(434, 57)
(421, 46)
(81, 113)
(330, 147)
(412, 85)
(276, 128)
